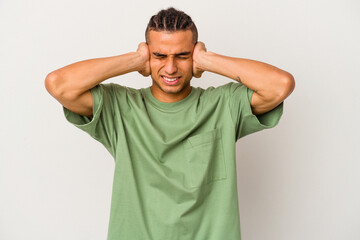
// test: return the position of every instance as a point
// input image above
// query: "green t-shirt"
(175, 165)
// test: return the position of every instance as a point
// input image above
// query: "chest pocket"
(205, 158)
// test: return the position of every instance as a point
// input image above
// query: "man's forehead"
(170, 42)
(166, 35)
(171, 48)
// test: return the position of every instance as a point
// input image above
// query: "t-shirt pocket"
(205, 158)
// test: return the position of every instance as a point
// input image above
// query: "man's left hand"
(198, 53)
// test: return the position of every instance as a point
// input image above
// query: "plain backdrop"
(299, 180)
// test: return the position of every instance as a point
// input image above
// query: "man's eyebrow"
(176, 54)
(158, 54)
(182, 53)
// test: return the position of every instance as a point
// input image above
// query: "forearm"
(263, 78)
(77, 78)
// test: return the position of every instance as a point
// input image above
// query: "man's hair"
(171, 20)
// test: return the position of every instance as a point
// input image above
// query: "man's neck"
(170, 97)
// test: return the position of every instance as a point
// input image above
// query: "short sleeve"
(101, 125)
(245, 121)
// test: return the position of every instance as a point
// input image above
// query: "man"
(173, 144)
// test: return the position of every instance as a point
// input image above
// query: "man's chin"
(172, 89)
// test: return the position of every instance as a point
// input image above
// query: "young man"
(173, 144)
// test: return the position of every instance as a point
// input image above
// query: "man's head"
(171, 20)
(171, 36)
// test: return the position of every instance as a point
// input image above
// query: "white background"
(299, 180)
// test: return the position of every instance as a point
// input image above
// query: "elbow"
(56, 86)
(288, 85)
(52, 84)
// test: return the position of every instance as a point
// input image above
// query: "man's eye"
(160, 56)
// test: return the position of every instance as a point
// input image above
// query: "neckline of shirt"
(169, 107)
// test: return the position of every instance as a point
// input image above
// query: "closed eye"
(159, 55)
(183, 55)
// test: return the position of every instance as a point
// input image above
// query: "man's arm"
(71, 84)
(270, 84)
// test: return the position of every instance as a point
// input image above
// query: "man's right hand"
(143, 51)
(199, 51)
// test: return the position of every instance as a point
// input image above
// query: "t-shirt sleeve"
(101, 125)
(245, 121)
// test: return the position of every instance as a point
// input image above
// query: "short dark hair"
(171, 20)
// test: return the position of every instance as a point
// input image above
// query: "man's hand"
(198, 64)
(143, 51)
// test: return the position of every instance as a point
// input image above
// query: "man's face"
(171, 64)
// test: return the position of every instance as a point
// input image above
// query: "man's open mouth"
(170, 80)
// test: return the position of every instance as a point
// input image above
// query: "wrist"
(138, 61)
(142, 63)
(204, 61)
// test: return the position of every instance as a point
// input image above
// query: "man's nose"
(170, 66)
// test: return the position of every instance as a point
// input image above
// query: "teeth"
(169, 79)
